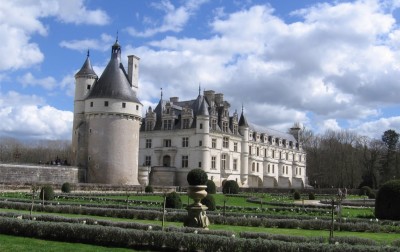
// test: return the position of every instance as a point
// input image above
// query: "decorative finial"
(117, 37)
(242, 107)
(199, 88)
(88, 53)
(161, 94)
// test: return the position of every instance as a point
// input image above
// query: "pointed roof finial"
(161, 94)
(242, 107)
(199, 88)
(88, 53)
(117, 37)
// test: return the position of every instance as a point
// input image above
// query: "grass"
(23, 244)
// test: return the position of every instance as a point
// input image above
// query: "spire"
(242, 120)
(116, 48)
(86, 69)
(199, 88)
(161, 94)
(203, 109)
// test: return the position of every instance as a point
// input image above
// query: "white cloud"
(28, 79)
(174, 19)
(32, 118)
(20, 20)
(376, 128)
(89, 44)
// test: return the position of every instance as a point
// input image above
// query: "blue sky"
(328, 65)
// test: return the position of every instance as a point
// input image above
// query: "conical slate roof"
(243, 121)
(86, 69)
(113, 83)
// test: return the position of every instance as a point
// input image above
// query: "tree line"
(345, 159)
(35, 151)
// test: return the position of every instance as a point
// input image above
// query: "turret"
(244, 131)
(85, 78)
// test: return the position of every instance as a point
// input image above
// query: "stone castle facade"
(115, 145)
(177, 136)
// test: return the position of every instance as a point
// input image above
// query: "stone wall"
(23, 173)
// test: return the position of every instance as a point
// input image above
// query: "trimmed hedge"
(387, 204)
(230, 187)
(197, 177)
(209, 201)
(47, 192)
(148, 189)
(211, 188)
(66, 187)
(173, 200)
(157, 240)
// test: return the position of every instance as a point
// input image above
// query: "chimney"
(133, 72)
(219, 98)
(174, 99)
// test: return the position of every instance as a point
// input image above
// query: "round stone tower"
(113, 116)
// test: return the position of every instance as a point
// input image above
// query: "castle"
(117, 146)
(107, 118)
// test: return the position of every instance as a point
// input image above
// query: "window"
(235, 164)
(250, 150)
(258, 167)
(199, 164)
(280, 155)
(214, 124)
(213, 143)
(273, 153)
(167, 124)
(299, 158)
(225, 143)
(273, 168)
(258, 151)
(213, 162)
(167, 142)
(225, 126)
(185, 161)
(137, 107)
(106, 104)
(265, 152)
(91, 104)
(235, 146)
(88, 87)
(223, 161)
(148, 161)
(185, 124)
(201, 126)
(200, 143)
(123, 105)
(149, 126)
(269, 169)
(185, 142)
(287, 156)
(299, 171)
(148, 143)
(253, 167)
(235, 129)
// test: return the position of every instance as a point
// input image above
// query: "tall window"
(223, 161)
(185, 161)
(258, 151)
(123, 105)
(235, 129)
(235, 164)
(235, 146)
(185, 142)
(148, 143)
(273, 168)
(106, 104)
(213, 162)
(214, 143)
(253, 167)
(225, 142)
(265, 152)
(167, 142)
(148, 161)
(269, 167)
(149, 126)
(214, 124)
(225, 126)
(287, 156)
(258, 167)
(280, 155)
(167, 124)
(273, 153)
(185, 124)
(250, 150)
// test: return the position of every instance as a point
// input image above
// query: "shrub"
(173, 200)
(387, 204)
(230, 187)
(209, 201)
(211, 188)
(296, 195)
(311, 196)
(148, 189)
(371, 195)
(365, 190)
(47, 192)
(66, 187)
(197, 177)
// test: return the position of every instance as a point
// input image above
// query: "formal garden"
(156, 219)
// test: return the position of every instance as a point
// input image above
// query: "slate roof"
(86, 69)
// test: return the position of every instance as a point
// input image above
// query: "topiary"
(47, 192)
(311, 196)
(230, 187)
(296, 195)
(209, 201)
(148, 189)
(173, 200)
(387, 204)
(197, 177)
(371, 195)
(365, 190)
(211, 188)
(66, 187)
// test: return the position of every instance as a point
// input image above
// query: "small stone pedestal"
(197, 212)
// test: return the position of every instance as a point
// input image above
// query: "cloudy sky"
(328, 65)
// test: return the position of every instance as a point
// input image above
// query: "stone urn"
(197, 193)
